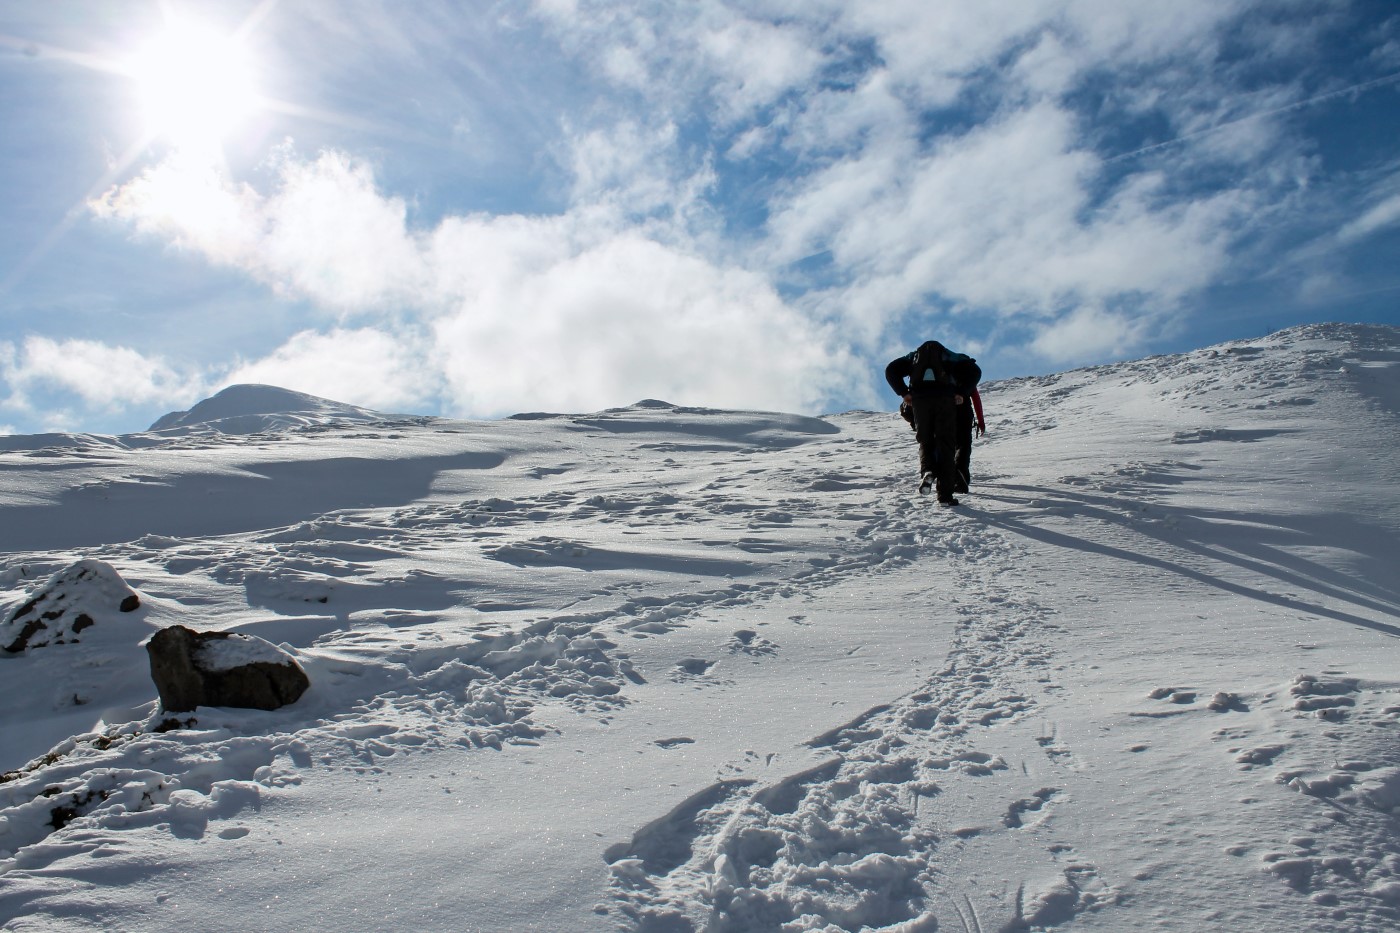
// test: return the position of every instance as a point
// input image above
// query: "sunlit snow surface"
(670, 669)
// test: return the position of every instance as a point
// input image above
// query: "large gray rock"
(72, 601)
(193, 669)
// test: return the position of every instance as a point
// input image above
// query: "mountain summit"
(250, 409)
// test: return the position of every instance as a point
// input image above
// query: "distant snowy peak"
(249, 409)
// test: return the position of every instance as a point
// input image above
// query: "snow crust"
(664, 668)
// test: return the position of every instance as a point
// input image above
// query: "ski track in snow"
(472, 622)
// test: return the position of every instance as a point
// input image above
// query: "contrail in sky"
(1354, 89)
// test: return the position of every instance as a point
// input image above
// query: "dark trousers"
(935, 427)
(963, 460)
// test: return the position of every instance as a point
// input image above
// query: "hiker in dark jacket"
(939, 382)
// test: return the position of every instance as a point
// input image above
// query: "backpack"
(965, 371)
(927, 365)
(933, 362)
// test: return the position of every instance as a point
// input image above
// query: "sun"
(193, 84)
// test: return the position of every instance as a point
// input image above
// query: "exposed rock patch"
(73, 600)
(192, 669)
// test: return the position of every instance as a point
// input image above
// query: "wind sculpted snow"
(667, 669)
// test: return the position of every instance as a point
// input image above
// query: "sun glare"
(194, 85)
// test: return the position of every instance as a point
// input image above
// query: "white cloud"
(363, 366)
(192, 204)
(757, 62)
(559, 9)
(1384, 214)
(934, 47)
(626, 66)
(334, 237)
(1144, 32)
(1087, 333)
(674, 53)
(1321, 288)
(871, 115)
(1011, 212)
(937, 49)
(624, 314)
(630, 318)
(633, 169)
(1001, 219)
(1047, 69)
(326, 233)
(104, 377)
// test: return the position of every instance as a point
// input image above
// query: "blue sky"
(475, 209)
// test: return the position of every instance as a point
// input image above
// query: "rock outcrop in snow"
(73, 600)
(194, 669)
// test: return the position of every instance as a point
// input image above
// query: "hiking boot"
(948, 501)
(925, 484)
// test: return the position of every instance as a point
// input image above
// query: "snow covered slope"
(665, 669)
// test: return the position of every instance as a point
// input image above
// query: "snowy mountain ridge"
(665, 668)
